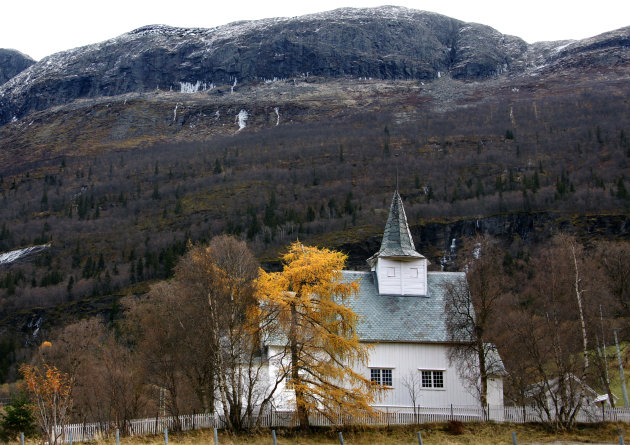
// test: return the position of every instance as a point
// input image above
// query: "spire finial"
(396, 156)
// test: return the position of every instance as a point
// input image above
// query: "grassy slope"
(478, 434)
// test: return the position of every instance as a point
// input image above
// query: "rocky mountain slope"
(379, 43)
(12, 63)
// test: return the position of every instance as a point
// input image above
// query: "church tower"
(399, 269)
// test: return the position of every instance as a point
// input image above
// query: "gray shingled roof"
(386, 318)
(397, 241)
(401, 318)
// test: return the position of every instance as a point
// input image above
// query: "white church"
(402, 316)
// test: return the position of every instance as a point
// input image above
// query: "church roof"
(397, 241)
(386, 318)
(393, 318)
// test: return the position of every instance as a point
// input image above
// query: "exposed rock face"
(439, 241)
(385, 43)
(12, 62)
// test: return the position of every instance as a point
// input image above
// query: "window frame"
(380, 376)
(437, 377)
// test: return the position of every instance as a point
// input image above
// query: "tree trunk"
(578, 295)
(302, 412)
(483, 376)
(216, 336)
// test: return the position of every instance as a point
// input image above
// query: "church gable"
(402, 277)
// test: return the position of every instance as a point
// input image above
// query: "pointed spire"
(397, 241)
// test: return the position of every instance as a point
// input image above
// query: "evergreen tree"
(622, 193)
(270, 211)
(17, 418)
(348, 208)
(310, 214)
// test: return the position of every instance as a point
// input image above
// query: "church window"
(380, 376)
(433, 379)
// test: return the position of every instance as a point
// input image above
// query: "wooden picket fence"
(385, 416)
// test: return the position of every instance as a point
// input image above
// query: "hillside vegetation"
(122, 217)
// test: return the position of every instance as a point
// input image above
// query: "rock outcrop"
(12, 63)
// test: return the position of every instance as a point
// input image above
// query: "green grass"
(613, 371)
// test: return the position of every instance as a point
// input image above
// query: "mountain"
(12, 63)
(113, 156)
(380, 43)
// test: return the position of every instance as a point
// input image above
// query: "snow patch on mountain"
(190, 88)
(241, 119)
(14, 255)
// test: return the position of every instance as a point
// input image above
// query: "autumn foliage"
(318, 330)
(51, 392)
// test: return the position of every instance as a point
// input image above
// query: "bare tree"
(121, 382)
(161, 334)
(609, 268)
(224, 273)
(472, 303)
(547, 327)
(612, 262)
(413, 384)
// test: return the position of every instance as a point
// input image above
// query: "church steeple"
(397, 241)
(399, 268)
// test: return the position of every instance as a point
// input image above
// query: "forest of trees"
(118, 219)
(194, 341)
(550, 312)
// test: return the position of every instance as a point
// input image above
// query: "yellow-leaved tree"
(51, 393)
(317, 330)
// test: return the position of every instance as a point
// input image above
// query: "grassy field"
(432, 434)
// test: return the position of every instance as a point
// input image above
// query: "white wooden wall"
(409, 359)
(495, 391)
(402, 277)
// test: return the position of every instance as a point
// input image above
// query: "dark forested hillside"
(124, 217)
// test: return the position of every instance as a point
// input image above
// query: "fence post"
(340, 438)
(165, 436)
(621, 440)
(216, 437)
(117, 437)
(451, 411)
(419, 438)
(21, 438)
(514, 442)
(273, 434)
(70, 434)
